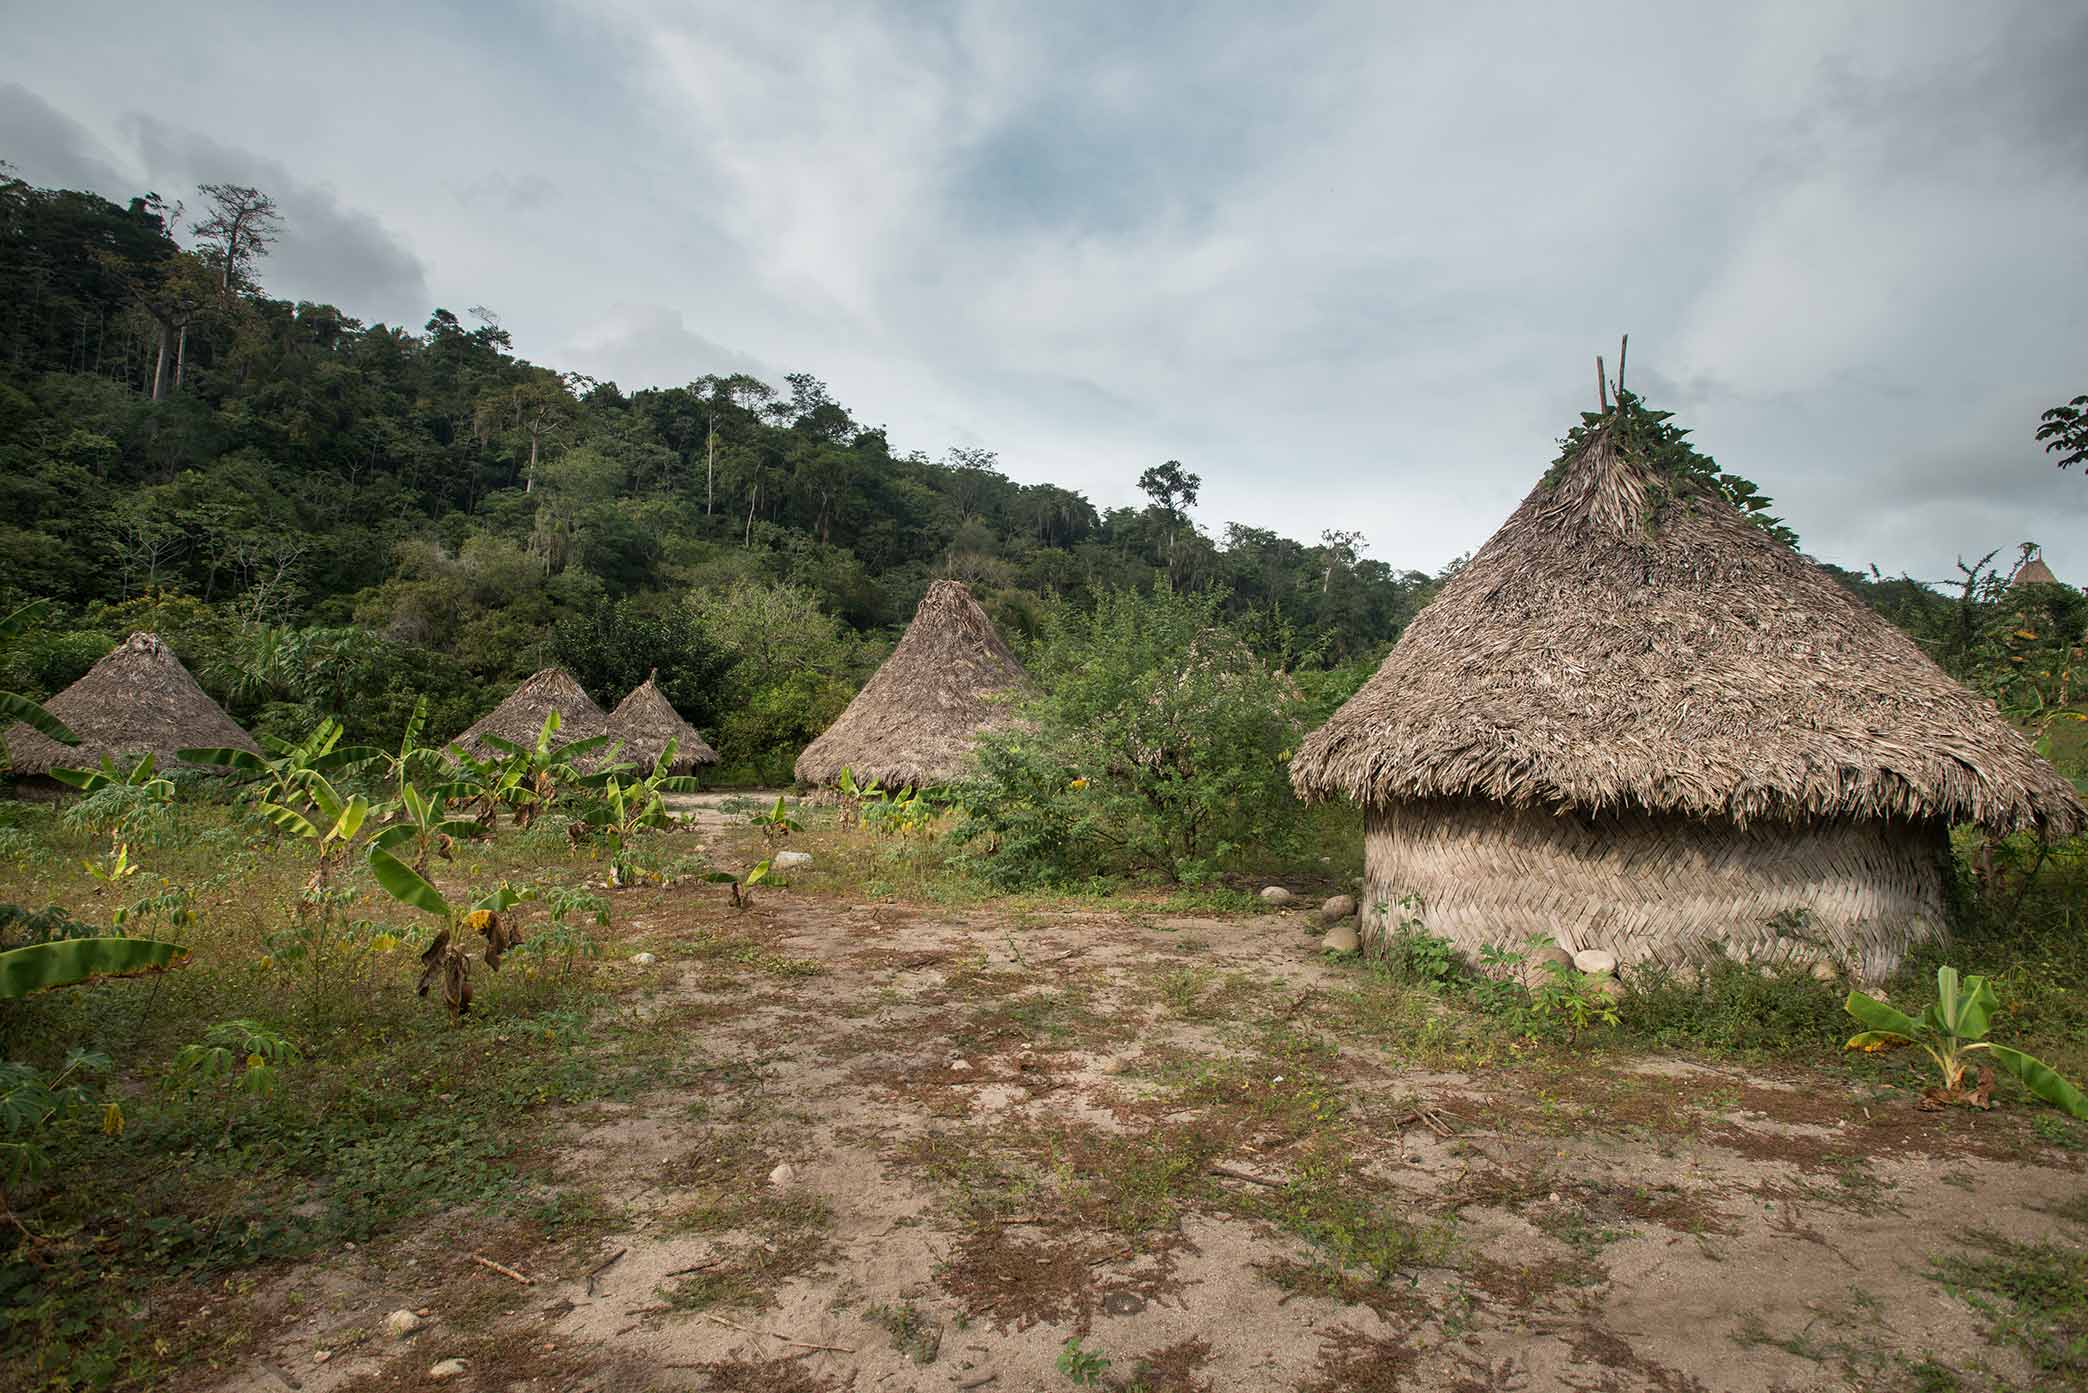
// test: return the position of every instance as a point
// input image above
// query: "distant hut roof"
(518, 719)
(137, 700)
(2034, 572)
(915, 722)
(1628, 638)
(645, 721)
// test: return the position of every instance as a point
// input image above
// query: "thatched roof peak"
(137, 700)
(1629, 638)
(518, 719)
(915, 721)
(2034, 572)
(645, 721)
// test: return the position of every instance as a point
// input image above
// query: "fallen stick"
(504, 1270)
(602, 1267)
(1230, 1174)
(750, 1330)
(980, 1382)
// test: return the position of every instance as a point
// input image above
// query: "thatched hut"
(138, 700)
(520, 718)
(1636, 721)
(2034, 572)
(915, 722)
(645, 721)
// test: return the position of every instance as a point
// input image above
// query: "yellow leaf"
(112, 1120)
(2024, 633)
(478, 918)
(267, 961)
(255, 1061)
(384, 943)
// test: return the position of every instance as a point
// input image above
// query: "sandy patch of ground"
(1182, 1142)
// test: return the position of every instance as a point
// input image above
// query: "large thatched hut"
(138, 700)
(914, 723)
(520, 718)
(1636, 721)
(645, 721)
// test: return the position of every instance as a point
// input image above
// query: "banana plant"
(1952, 1033)
(67, 962)
(627, 808)
(414, 760)
(286, 779)
(742, 885)
(16, 708)
(445, 960)
(532, 774)
(856, 795)
(142, 773)
(421, 821)
(776, 823)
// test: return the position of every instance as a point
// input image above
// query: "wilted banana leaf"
(66, 962)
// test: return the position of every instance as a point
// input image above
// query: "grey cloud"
(52, 150)
(638, 346)
(327, 251)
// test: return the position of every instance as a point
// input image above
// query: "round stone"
(644, 959)
(783, 1176)
(1276, 894)
(1824, 971)
(1341, 938)
(1602, 984)
(402, 1323)
(446, 1370)
(1595, 960)
(1337, 908)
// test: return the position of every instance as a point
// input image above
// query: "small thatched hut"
(2034, 572)
(1636, 721)
(520, 718)
(138, 700)
(914, 723)
(645, 721)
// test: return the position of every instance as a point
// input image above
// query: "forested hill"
(327, 515)
(169, 430)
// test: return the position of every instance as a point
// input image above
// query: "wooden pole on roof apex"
(1601, 384)
(1621, 349)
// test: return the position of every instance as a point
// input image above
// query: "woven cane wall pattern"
(1648, 887)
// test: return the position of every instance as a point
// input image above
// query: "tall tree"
(531, 412)
(242, 226)
(1173, 490)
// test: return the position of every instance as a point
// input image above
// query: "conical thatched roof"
(2034, 572)
(915, 722)
(645, 721)
(138, 700)
(1628, 638)
(519, 718)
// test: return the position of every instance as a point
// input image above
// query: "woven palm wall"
(1646, 887)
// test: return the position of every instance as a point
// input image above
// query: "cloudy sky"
(1350, 262)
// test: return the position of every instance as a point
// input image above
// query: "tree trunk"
(159, 367)
(529, 484)
(180, 357)
(710, 468)
(753, 496)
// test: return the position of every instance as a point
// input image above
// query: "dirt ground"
(903, 1148)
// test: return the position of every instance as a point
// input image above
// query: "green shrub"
(1159, 743)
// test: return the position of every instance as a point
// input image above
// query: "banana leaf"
(2041, 1079)
(404, 884)
(67, 961)
(1879, 1017)
(16, 707)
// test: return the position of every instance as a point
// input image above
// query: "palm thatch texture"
(519, 718)
(138, 700)
(645, 721)
(2034, 572)
(915, 722)
(1636, 721)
